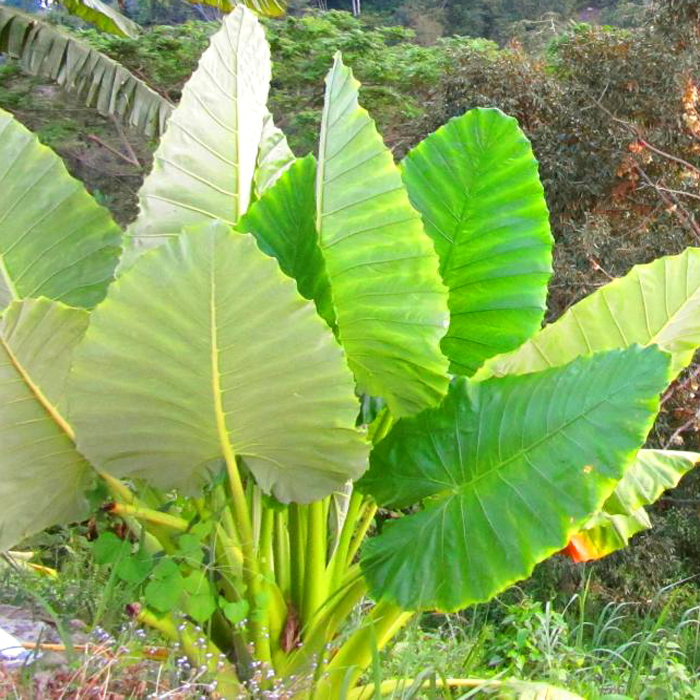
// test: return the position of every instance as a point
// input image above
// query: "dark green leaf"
(510, 468)
(476, 185)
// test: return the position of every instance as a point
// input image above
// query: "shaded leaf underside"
(203, 347)
(55, 240)
(42, 475)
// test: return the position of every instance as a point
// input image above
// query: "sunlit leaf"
(103, 16)
(390, 305)
(203, 168)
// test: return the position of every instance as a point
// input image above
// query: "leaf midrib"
(39, 395)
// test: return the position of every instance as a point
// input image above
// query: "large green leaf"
(203, 168)
(282, 221)
(390, 304)
(623, 514)
(510, 468)
(45, 50)
(205, 346)
(658, 303)
(103, 16)
(475, 183)
(42, 475)
(55, 240)
(274, 156)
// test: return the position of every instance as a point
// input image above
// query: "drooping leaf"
(203, 347)
(55, 240)
(104, 84)
(390, 304)
(267, 8)
(623, 514)
(43, 477)
(282, 221)
(475, 183)
(274, 156)
(103, 16)
(658, 303)
(203, 168)
(510, 468)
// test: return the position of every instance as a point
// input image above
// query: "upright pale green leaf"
(282, 221)
(203, 168)
(203, 347)
(623, 514)
(475, 183)
(103, 16)
(55, 240)
(510, 468)
(274, 156)
(658, 303)
(390, 304)
(45, 50)
(42, 475)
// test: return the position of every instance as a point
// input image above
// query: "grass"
(593, 647)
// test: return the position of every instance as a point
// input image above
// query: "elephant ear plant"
(286, 345)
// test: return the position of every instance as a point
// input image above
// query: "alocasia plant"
(286, 345)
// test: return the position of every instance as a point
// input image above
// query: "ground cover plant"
(277, 347)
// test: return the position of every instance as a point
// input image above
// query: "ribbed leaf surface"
(104, 84)
(42, 475)
(205, 344)
(476, 185)
(510, 468)
(55, 240)
(103, 16)
(203, 168)
(390, 304)
(282, 221)
(623, 514)
(658, 303)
